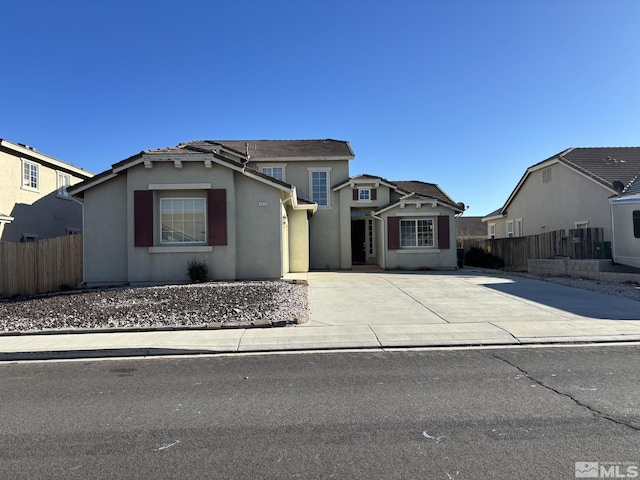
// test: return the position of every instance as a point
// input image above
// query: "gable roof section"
(363, 178)
(272, 150)
(603, 165)
(414, 191)
(182, 152)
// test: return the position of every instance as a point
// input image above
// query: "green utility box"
(603, 250)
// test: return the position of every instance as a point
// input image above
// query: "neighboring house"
(625, 218)
(566, 191)
(470, 228)
(256, 209)
(34, 202)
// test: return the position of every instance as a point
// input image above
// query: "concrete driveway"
(467, 306)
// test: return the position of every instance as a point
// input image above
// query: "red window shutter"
(374, 194)
(443, 232)
(393, 233)
(217, 216)
(143, 218)
(355, 194)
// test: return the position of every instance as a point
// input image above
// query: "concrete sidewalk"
(379, 310)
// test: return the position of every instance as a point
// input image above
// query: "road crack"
(579, 403)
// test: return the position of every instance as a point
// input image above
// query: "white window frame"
(582, 225)
(415, 232)
(367, 195)
(510, 231)
(492, 230)
(28, 180)
(518, 227)
(268, 170)
(63, 180)
(328, 186)
(187, 242)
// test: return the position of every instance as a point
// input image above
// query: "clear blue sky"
(463, 93)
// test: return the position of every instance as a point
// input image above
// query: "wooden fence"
(38, 267)
(579, 244)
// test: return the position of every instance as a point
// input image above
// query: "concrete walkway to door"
(465, 307)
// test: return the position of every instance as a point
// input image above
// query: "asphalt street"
(450, 414)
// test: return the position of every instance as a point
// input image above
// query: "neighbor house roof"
(603, 165)
(25, 151)
(470, 227)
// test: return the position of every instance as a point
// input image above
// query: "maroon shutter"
(355, 194)
(143, 218)
(393, 233)
(217, 216)
(374, 194)
(443, 232)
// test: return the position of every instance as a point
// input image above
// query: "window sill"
(30, 189)
(182, 249)
(419, 250)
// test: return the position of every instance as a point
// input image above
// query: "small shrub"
(478, 257)
(198, 271)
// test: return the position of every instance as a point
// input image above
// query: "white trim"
(59, 190)
(20, 150)
(326, 170)
(283, 166)
(179, 186)
(419, 214)
(507, 224)
(420, 250)
(183, 243)
(185, 249)
(25, 186)
(585, 223)
(489, 234)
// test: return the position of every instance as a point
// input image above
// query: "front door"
(358, 241)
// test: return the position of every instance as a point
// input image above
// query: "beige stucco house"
(34, 203)
(566, 191)
(256, 209)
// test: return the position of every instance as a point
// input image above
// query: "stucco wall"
(298, 241)
(258, 229)
(567, 199)
(421, 258)
(105, 233)
(41, 212)
(626, 247)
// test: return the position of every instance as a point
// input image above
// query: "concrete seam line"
(505, 330)
(376, 335)
(416, 300)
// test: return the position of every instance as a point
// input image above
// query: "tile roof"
(634, 187)
(470, 227)
(603, 164)
(425, 189)
(266, 149)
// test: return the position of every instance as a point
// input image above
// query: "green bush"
(478, 257)
(198, 271)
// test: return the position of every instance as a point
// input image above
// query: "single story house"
(254, 209)
(569, 190)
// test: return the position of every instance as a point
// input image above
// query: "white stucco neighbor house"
(255, 209)
(625, 218)
(569, 190)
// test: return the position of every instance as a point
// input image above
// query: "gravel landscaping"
(214, 304)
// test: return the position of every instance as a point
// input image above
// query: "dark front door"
(358, 241)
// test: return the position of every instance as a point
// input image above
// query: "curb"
(167, 328)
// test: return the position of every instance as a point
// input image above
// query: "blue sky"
(463, 93)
